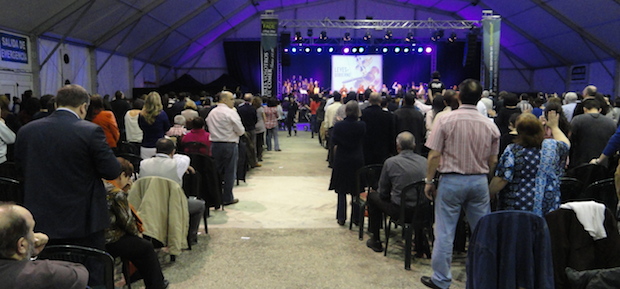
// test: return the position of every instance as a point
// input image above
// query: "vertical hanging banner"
(490, 47)
(269, 43)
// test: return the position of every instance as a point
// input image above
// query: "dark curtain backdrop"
(243, 62)
(450, 63)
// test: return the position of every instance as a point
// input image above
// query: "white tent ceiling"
(181, 33)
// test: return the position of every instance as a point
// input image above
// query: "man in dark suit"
(379, 141)
(408, 118)
(64, 158)
(120, 106)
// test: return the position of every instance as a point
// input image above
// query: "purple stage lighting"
(385, 50)
(354, 50)
(319, 49)
(307, 49)
(361, 50)
(396, 49)
(346, 50)
(429, 49)
(331, 49)
(420, 49)
(293, 50)
(406, 50)
(285, 49)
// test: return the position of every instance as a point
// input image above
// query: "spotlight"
(319, 49)
(323, 35)
(354, 50)
(342, 18)
(346, 50)
(437, 35)
(361, 50)
(347, 37)
(409, 38)
(429, 49)
(307, 50)
(420, 49)
(385, 50)
(285, 50)
(293, 50)
(367, 36)
(331, 49)
(452, 37)
(298, 37)
(310, 33)
(406, 50)
(396, 49)
(388, 35)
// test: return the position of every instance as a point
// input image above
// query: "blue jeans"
(226, 155)
(469, 192)
(273, 133)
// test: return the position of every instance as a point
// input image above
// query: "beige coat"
(162, 205)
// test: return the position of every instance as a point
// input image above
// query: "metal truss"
(380, 24)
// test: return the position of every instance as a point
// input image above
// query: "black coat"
(408, 118)
(347, 136)
(380, 139)
(63, 159)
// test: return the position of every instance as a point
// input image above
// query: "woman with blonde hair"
(154, 124)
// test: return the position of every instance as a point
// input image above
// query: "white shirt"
(71, 111)
(224, 124)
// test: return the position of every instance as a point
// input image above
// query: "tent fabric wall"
(113, 75)
(51, 72)
(77, 71)
(144, 74)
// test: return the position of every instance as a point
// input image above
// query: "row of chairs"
(589, 182)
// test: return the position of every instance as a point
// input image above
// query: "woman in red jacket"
(104, 118)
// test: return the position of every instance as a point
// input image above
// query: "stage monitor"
(354, 71)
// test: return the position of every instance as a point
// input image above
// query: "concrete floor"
(289, 194)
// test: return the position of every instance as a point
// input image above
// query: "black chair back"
(570, 189)
(11, 190)
(126, 147)
(603, 191)
(92, 259)
(133, 159)
(367, 177)
(194, 148)
(588, 173)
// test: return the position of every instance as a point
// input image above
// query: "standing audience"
(153, 122)
(103, 118)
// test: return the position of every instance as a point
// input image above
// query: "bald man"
(18, 243)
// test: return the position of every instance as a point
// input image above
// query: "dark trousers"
(341, 208)
(141, 253)
(260, 142)
(196, 209)
(226, 155)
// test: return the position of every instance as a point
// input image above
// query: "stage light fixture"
(307, 49)
(319, 49)
(409, 37)
(331, 49)
(388, 35)
(397, 49)
(437, 35)
(298, 37)
(406, 50)
(310, 32)
(385, 50)
(354, 49)
(285, 50)
(293, 50)
(452, 37)
(323, 35)
(346, 50)
(347, 37)
(429, 49)
(367, 36)
(420, 49)
(361, 49)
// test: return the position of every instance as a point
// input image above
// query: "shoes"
(257, 165)
(375, 245)
(426, 280)
(166, 284)
(278, 150)
(260, 160)
(234, 201)
(356, 222)
(341, 222)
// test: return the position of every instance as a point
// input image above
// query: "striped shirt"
(466, 140)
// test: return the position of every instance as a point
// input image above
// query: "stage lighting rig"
(409, 37)
(347, 37)
(310, 33)
(298, 38)
(367, 36)
(452, 37)
(388, 35)
(437, 35)
(323, 35)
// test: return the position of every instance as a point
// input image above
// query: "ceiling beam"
(63, 14)
(204, 32)
(172, 28)
(511, 54)
(582, 32)
(120, 27)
